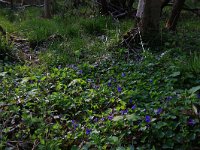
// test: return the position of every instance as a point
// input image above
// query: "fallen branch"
(26, 6)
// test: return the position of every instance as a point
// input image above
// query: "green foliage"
(39, 29)
(104, 102)
(75, 103)
(192, 64)
(6, 49)
(96, 25)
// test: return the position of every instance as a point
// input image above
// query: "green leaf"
(114, 139)
(42, 141)
(143, 128)
(194, 89)
(25, 79)
(168, 145)
(132, 117)
(74, 147)
(120, 148)
(2, 74)
(160, 124)
(118, 118)
(77, 81)
(33, 92)
(175, 74)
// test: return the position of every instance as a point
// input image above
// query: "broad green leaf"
(118, 118)
(160, 124)
(194, 89)
(175, 74)
(2, 74)
(33, 92)
(75, 81)
(132, 117)
(120, 148)
(114, 139)
(25, 79)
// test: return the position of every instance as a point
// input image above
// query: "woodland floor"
(67, 85)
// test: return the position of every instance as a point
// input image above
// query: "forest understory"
(69, 82)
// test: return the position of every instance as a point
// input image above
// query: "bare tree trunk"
(176, 10)
(140, 9)
(11, 4)
(104, 6)
(150, 17)
(47, 9)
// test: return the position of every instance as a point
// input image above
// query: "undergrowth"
(80, 95)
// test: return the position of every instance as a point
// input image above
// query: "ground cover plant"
(81, 93)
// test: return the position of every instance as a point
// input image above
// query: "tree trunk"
(47, 9)
(176, 10)
(104, 7)
(140, 9)
(149, 11)
(11, 4)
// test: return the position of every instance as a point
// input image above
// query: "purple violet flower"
(119, 89)
(75, 125)
(102, 119)
(168, 98)
(131, 100)
(110, 117)
(89, 80)
(96, 120)
(191, 122)
(123, 74)
(124, 112)
(109, 84)
(88, 131)
(59, 67)
(80, 72)
(158, 111)
(148, 119)
(133, 107)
